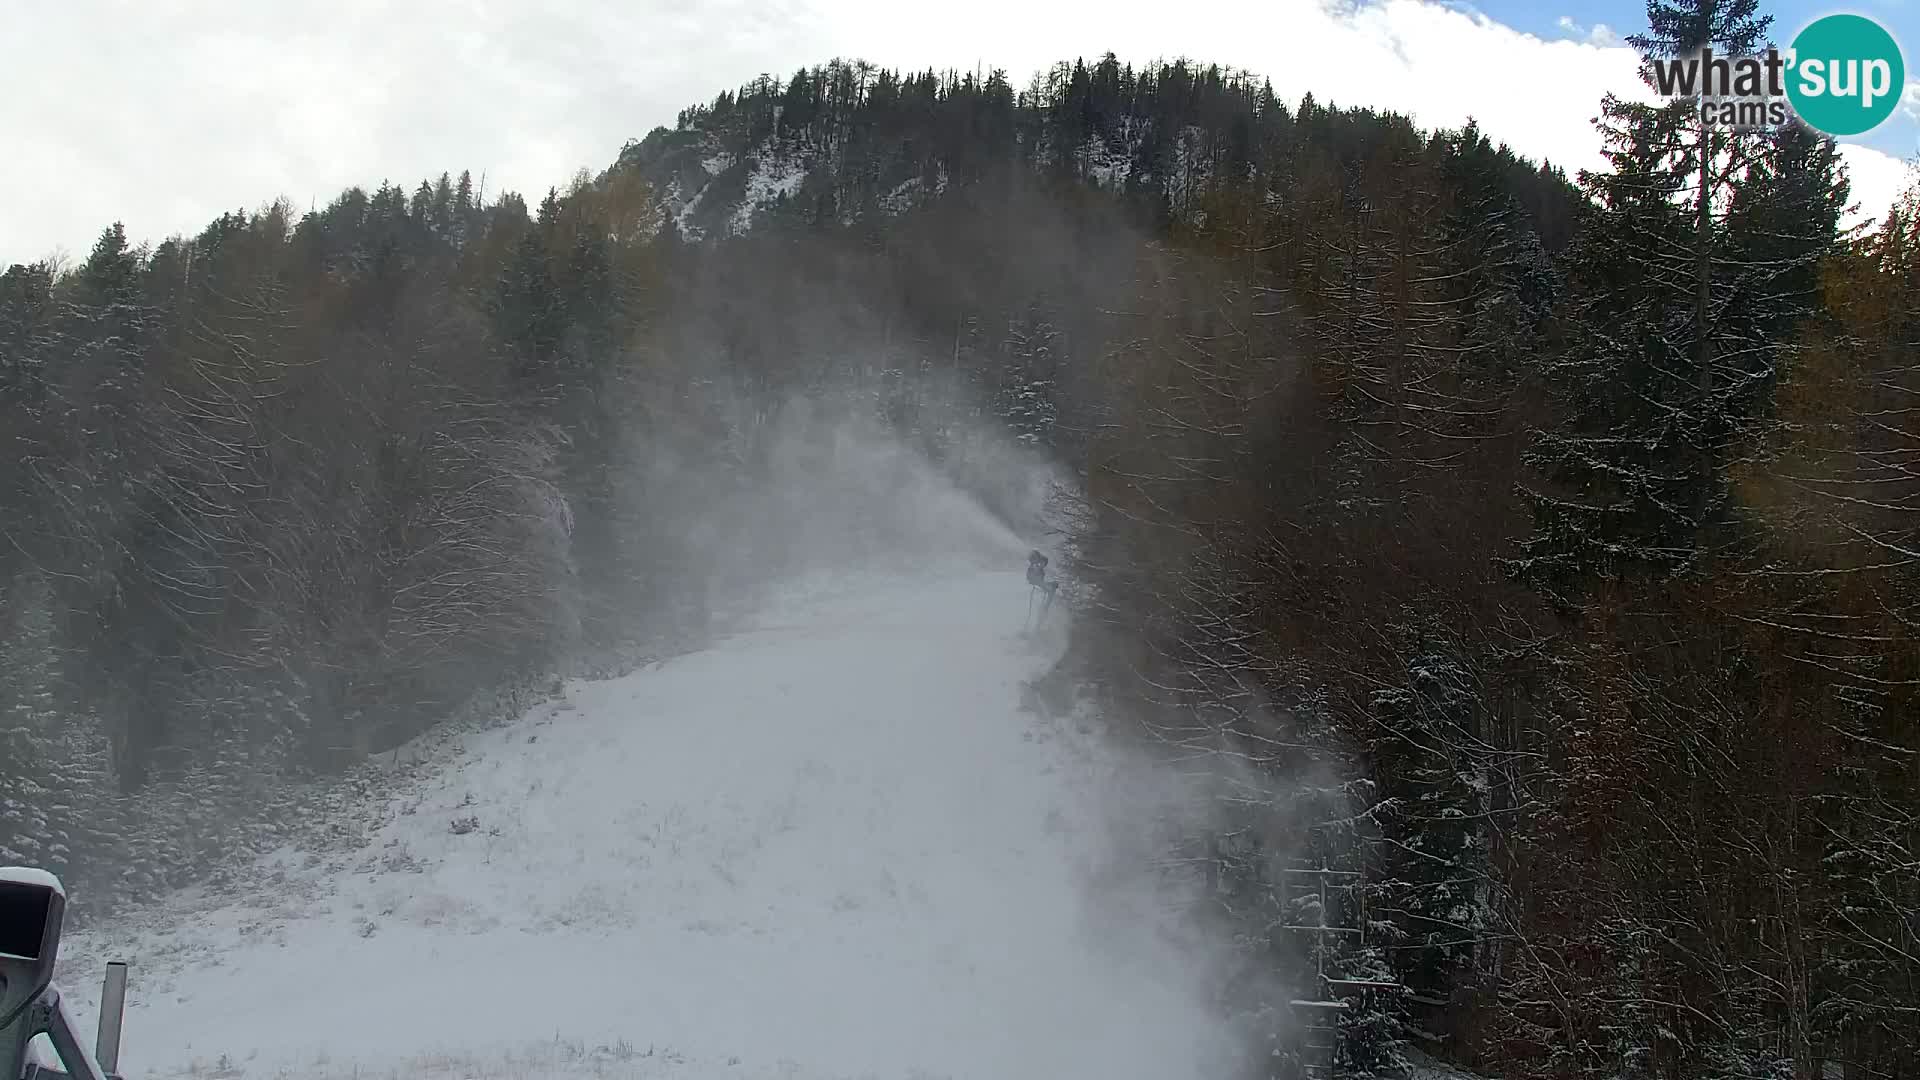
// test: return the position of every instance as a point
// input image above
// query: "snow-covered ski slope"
(835, 845)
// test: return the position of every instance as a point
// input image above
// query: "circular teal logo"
(1846, 74)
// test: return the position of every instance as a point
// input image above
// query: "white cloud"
(1877, 178)
(1399, 54)
(165, 112)
(1597, 34)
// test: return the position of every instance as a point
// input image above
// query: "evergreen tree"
(1621, 449)
(1433, 763)
(28, 346)
(1674, 338)
(530, 312)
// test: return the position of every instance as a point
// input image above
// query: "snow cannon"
(33, 907)
(1036, 570)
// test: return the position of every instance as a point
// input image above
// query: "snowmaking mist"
(833, 844)
(834, 491)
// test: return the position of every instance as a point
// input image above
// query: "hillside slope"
(833, 846)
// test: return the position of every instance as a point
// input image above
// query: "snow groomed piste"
(834, 845)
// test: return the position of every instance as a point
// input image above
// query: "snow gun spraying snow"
(33, 905)
(1043, 589)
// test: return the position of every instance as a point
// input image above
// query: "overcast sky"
(163, 113)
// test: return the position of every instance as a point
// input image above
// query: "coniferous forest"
(1547, 546)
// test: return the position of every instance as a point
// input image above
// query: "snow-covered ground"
(834, 846)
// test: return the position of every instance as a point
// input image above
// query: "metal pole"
(1360, 907)
(1333, 1034)
(1322, 968)
(13, 1044)
(48, 1014)
(66, 1040)
(113, 1004)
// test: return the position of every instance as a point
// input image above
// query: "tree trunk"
(1702, 302)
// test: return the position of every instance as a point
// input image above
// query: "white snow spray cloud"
(1104, 970)
(832, 844)
(831, 490)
